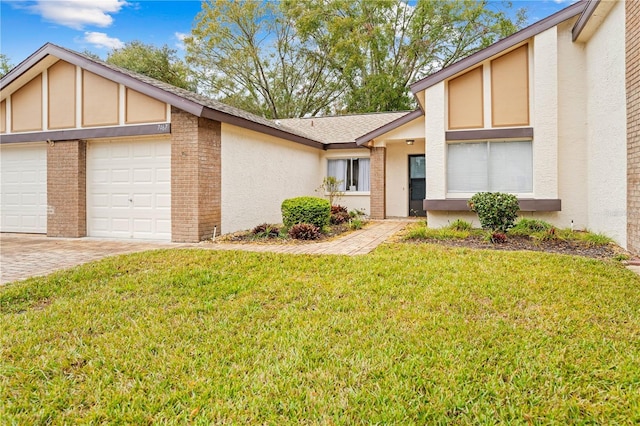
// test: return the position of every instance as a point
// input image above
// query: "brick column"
(67, 189)
(378, 182)
(632, 13)
(195, 177)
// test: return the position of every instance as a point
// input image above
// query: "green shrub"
(304, 231)
(312, 210)
(527, 227)
(497, 211)
(355, 224)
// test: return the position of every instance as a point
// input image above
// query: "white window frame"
(467, 194)
(350, 159)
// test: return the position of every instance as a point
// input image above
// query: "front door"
(417, 185)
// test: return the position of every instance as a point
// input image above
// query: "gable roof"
(501, 45)
(403, 119)
(193, 103)
(341, 129)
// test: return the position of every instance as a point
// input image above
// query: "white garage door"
(23, 188)
(129, 189)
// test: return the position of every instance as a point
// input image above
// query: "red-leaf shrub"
(339, 215)
(304, 231)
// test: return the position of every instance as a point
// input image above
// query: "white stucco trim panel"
(259, 172)
(606, 129)
(436, 145)
(545, 114)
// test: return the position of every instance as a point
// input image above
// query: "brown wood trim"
(346, 145)
(102, 132)
(257, 127)
(500, 46)
(510, 133)
(390, 126)
(461, 204)
(582, 21)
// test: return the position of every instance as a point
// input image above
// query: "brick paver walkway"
(26, 255)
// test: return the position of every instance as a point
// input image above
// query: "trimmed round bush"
(313, 210)
(496, 211)
(304, 231)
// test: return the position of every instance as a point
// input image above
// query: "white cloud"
(102, 40)
(180, 37)
(77, 14)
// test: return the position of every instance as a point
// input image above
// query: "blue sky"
(100, 25)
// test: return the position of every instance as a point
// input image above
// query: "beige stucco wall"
(510, 89)
(465, 100)
(606, 131)
(63, 96)
(100, 100)
(26, 106)
(141, 108)
(61, 88)
(259, 172)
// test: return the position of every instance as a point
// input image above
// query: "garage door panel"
(124, 189)
(23, 188)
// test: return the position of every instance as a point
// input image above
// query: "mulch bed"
(245, 237)
(513, 243)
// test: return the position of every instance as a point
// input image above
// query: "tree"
(247, 54)
(305, 57)
(5, 65)
(381, 46)
(160, 63)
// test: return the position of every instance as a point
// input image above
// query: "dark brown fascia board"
(592, 5)
(212, 114)
(389, 126)
(95, 133)
(461, 205)
(511, 133)
(99, 69)
(500, 46)
(344, 145)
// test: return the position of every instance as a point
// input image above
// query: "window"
(490, 166)
(353, 172)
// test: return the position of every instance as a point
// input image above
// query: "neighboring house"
(550, 114)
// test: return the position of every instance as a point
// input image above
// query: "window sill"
(460, 205)
(351, 193)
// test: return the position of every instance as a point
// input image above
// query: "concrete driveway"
(27, 255)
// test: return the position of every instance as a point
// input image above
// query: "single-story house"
(550, 114)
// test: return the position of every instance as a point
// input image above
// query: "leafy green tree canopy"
(247, 54)
(5, 64)
(160, 63)
(307, 57)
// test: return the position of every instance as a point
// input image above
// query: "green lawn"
(410, 334)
